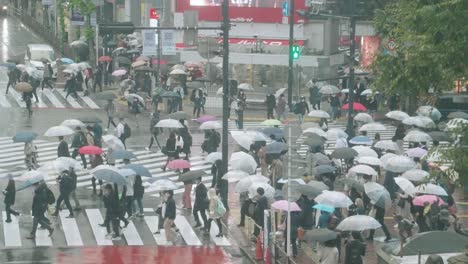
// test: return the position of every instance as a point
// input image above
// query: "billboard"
(258, 11)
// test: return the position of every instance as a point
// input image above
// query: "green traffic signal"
(296, 53)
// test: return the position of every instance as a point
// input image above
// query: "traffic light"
(116, 28)
(296, 52)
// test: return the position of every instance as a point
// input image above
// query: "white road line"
(70, 100)
(11, 231)
(42, 237)
(152, 222)
(95, 218)
(90, 102)
(41, 103)
(131, 235)
(53, 99)
(186, 231)
(4, 101)
(71, 230)
(219, 241)
(18, 98)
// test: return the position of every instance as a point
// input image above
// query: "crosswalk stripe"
(95, 217)
(90, 102)
(131, 235)
(70, 229)
(70, 99)
(11, 231)
(41, 103)
(4, 101)
(191, 239)
(153, 223)
(18, 98)
(42, 238)
(53, 99)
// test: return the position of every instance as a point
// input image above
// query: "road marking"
(95, 218)
(90, 102)
(54, 100)
(18, 98)
(186, 231)
(131, 235)
(41, 103)
(153, 222)
(4, 101)
(42, 237)
(11, 231)
(70, 229)
(70, 99)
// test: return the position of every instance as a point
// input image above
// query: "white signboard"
(168, 42)
(149, 42)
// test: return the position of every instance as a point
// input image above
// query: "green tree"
(86, 8)
(431, 46)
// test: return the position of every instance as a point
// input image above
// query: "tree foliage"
(86, 8)
(431, 46)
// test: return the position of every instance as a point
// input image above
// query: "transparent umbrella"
(269, 191)
(397, 115)
(244, 184)
(358, 223)
(243, 161)
(399, 164)
(415, 175)
(364, 118)
(335, 199)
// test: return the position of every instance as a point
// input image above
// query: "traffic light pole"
(352, 47)
(291, 45)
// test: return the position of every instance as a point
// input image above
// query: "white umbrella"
(163, 185)
(214, 156)
(455, 123)
(417, 136)
(243, 161)
(113, 142)
(397, 115)
(335, 199)
(219, 91)
(77, 43)
(244, 86)
(280, 92)
(387, 156)
(363, 169)
(415, 175)
(255, 135)
(367, 92)
(177, 72)
(211, 125)
(235, 175)
(430, 188)
(336, 133)
(329, 89)
(31, 174)
(315, 130)
(130, 97)
(344, 90)
(364, 118)
(429, 111)
(427, 122)
(319, 114)
(413, 121)
(243, 140)
(372, 126)
(244, 184)
(405, 185)
(387, 145)
(178, 66)
(358, 223)
(269, 191)
(70, 71)
(58, 131)
(285, 180)
(399, 164)
(372, 187)
(169, 123)
(372, 161)
(84, 65)
(65, 163)
(72, 123)
(416, 152)
(364, 151)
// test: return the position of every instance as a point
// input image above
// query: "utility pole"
(158, 56)
(352, 47)
(223, 184)
(291, 44)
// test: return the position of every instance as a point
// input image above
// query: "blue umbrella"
(122, 154)
(325, 208)
(273, 131)
(361, 140)
(8, 65)
(138, 169)
(276, 148)
(67, 61)
(30, 182)
(109, 175)
(24, 136)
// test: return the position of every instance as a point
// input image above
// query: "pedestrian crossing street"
(12, 161)
(47, 99)
(84, 230)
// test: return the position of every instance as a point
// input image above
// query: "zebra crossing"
(74, 231)
(47, 99)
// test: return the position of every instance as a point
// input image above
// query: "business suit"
(169, 217)
(62, 150)
(10, 195)
(200, 205)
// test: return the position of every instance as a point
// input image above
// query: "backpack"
(127, 131)
(50, 197)
(220, 209)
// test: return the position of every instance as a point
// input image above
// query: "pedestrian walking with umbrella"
(301, 108)
(97, 77)
(10, 195)
(136, 106)
(70, 86)
(110, 111)
(111, 204)
(65, 187)
(201, 203)
(379, 216)
(96, 160)
(48, 73)
(170, 149)
(79, 140)
(169, 212)
(155, 118)
(138, 192)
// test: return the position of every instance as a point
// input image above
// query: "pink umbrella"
(163, 62)
(179, 164)
(416, 152)
(120, 72)
(356, 107)
(420, 200)
(206, 118)
(283, 206)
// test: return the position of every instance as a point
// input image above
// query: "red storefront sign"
(264, 11)
(266, 42)
(154, 13)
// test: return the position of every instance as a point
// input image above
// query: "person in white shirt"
(120, 130)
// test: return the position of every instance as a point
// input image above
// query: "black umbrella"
(276, 148)
(322, 169)
(308, 190)
(144, 69)
(314, 141)
(321, 159)
(439, 136)
(90, 119)
(344, 153)
(320, 235)
(169, 94)
(191, 175)
(123, 60)
(352, 183)
(295, 194)
(273, 131)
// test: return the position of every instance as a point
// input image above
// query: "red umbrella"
(91, 150)
(179, 164)
(105, 58)
(356, 107)
(163, 62)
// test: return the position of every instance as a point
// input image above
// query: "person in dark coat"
(201, 203)
(170, 149)
(74, 177)
(10, 194)
(78, 141)
(155, 118)
(65, 187)
(12, 78)
(169, 212)
(294, 226)
(187, 138)
(39, 206)
(314, 96)
(97, 130)
(70, 86)
(138, 192)
(379, 216)
(97, 76)
(355, 249)
(390, 184)
(112, 212)
(306, 220)
(270, 104)
(262, 204)
(62, 150)
(301, 108)
(216, 172)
